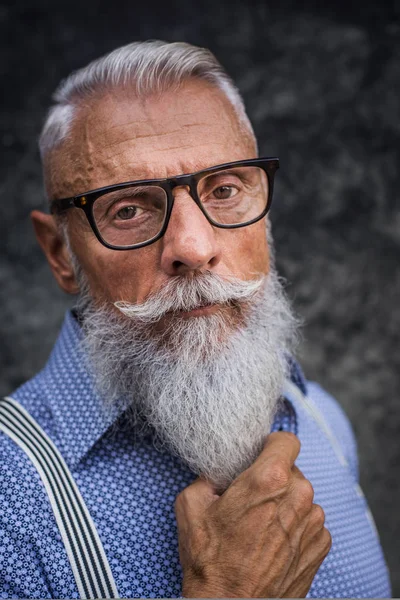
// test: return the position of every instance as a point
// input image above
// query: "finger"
(282, 447)
(296, 505)
(313, 555)
(297, 473)
(282, 443)
(315, 525)
(195, 498)
(304, 530)
(310, 559)
(271, 473)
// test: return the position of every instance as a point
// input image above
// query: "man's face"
(210, 371)
(119, 138)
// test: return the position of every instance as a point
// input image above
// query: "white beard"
(208, 388)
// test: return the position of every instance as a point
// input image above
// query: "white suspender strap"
(84, 548)
(293, 391)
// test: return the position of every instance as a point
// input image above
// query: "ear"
(53, 245)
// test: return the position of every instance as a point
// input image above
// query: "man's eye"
(223, 192)
(127, 212)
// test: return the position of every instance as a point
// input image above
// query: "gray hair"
(147, 68)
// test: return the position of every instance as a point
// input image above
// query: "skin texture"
(263, 537)
(121, 138)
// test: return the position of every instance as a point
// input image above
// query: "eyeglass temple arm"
(58, 206)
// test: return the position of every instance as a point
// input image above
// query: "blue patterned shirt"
(130, 489)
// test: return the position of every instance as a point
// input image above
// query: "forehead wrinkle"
(179, 116)
(119, 145)
(168, 148)
(156, 134)
(190, 147)
(147, 170)
(139, 137)
(149, 135)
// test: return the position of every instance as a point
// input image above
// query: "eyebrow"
(127, 192)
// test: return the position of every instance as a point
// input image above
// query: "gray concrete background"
(322, 86)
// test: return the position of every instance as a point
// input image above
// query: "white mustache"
(183, 294)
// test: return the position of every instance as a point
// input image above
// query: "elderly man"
(158, 452)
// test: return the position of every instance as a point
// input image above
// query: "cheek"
(114, 275)
(246, 250)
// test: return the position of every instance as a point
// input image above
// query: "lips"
(197, 310)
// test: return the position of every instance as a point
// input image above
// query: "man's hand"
(263, 537)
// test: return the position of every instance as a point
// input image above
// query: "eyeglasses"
(136, 213)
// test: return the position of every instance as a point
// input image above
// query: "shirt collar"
(296, 374)
(80, 418)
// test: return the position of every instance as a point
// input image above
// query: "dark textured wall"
(322, 86)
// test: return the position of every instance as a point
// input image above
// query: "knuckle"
(288, 435)
(183, 498)
(317, 515)
(327, 540)
(179, 500)
(305, 493)
(285, 441)
(278, 475)
(270, 479)
(293, 439)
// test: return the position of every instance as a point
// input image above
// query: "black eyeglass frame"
(86, 200)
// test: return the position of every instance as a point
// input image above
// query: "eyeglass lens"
(134, 215)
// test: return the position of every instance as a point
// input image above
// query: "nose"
(190, 243)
